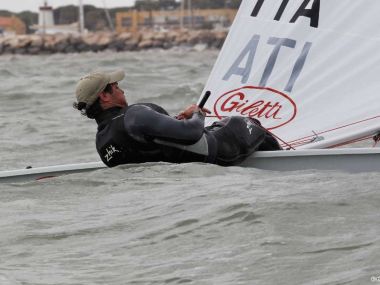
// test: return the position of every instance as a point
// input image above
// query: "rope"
(272, 134)
(281, 140)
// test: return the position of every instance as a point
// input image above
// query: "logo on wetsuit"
(110, 151)
(249, 125)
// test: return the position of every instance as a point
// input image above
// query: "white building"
(46, 23)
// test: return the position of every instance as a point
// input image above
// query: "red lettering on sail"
(272, 107)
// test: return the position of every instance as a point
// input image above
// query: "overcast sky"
(32, 5)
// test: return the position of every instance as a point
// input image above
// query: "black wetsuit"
(146, 133)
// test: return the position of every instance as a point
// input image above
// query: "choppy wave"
(162, 223)
(165, 223)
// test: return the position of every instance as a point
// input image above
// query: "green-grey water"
(161, 223)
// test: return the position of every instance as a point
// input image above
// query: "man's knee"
(237, 138)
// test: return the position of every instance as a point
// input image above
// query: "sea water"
(161, 223)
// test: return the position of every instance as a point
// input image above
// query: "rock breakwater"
(62, 43)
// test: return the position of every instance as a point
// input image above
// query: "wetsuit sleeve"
(145, 124)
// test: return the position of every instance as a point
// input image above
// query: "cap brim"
(116, 76)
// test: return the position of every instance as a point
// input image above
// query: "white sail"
(309, 70)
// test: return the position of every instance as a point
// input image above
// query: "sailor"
(145, 132)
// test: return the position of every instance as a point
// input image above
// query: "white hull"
(40, 173)
(351, 160)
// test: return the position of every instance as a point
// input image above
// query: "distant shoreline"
(95, 42)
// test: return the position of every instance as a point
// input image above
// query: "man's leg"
(237, 138)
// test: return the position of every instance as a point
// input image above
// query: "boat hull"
(352, 160)
(40, 173)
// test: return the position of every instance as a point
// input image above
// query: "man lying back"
(145, 132)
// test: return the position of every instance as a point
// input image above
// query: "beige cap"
(92, 84)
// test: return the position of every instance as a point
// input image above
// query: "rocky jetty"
(61, 43)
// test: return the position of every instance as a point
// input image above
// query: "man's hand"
(189, 111)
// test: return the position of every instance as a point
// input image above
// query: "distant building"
(12, 25)
(45, 16)
(133, 20)
(46, 23)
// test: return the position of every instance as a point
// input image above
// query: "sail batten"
(306, 72)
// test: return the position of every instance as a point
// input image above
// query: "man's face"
(117, 95)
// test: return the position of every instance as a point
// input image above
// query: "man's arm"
(145, 124)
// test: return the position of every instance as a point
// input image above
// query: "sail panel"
(307, 69)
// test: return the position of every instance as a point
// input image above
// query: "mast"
(81, 17)
(108, 16)
(182, 14)
(44, 21)
(190, 13)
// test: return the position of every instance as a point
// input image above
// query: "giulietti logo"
(272, 107)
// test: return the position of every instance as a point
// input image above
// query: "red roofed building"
(12, 25)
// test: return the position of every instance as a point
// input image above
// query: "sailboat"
(308, 70)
